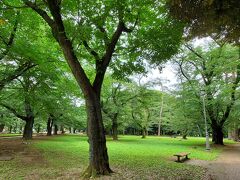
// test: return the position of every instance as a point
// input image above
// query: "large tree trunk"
(98, 157)
(115, 127)
(1, 127)
(28, 129)
(217, 135)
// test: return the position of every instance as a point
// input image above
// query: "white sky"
(167, 77)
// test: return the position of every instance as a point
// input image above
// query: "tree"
(216, 72)
(28, 85)
(115, 98)
(145, 107)
(111, 27)
(187, 111)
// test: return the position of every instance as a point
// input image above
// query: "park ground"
(66, 157)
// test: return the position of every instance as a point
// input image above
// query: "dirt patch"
(16, 148)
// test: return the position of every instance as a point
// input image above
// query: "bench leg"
(178, 159)
(186, 156)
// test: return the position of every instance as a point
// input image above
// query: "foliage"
(209, 18)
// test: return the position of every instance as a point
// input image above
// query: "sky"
(167, 76)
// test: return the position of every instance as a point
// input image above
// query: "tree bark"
(2, 127)
(217, 135)
(98, 157)
(28, 129)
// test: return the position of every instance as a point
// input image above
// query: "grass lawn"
(9, 135)
(65, 157)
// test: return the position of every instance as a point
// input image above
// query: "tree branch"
(59, 34)
(14, 111)
(91, 51)
(18, 72)
(41, 12)
(101, 68)
(194, 52)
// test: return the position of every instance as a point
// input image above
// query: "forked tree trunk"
(98, 157)
(28, 129)
(1, 127)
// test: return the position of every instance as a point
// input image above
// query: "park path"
(226, 166)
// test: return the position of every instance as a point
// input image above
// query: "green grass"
(9, 135)
(131, 157)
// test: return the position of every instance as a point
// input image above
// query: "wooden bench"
(180, 155)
